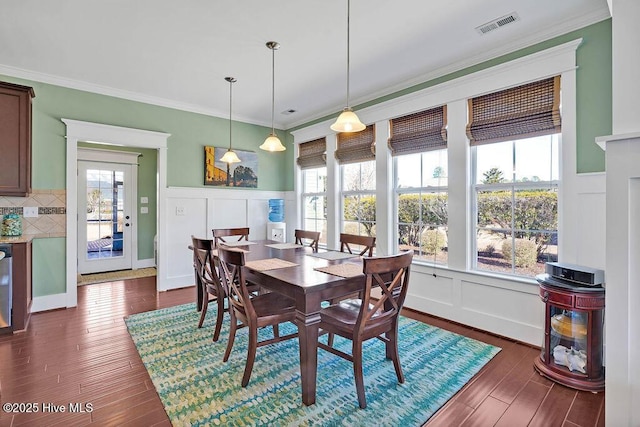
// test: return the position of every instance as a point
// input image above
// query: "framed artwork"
(243, 174)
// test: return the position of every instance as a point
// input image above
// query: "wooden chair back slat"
(308, 238)
(367, 243)
(219, 234)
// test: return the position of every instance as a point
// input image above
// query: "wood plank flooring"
(84, 356)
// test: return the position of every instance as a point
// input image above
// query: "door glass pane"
(105, 213)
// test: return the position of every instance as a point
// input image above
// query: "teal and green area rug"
(198, 389)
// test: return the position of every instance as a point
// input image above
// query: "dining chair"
(212, 289)
(373, 316)
(309, 238)
(367, 243)
(262, 310)
(219, 234)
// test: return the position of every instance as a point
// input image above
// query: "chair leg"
(232, 336)
(330, 340)
(357, 372)
(203, 311)
(219, 318)
(251, 355)
(276, 331)
(392, 347)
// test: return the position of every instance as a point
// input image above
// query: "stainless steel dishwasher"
(5, 286)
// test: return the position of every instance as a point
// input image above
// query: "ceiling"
(177, 54)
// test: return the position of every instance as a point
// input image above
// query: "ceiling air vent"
(497, 23)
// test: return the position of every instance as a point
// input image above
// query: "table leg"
(308, 338)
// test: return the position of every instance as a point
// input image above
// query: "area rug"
(198, 389)
(87, 279)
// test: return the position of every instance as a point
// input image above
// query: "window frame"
(304, 195)
(556, 60)
(413, 190)
(342, 194)
(512, 186)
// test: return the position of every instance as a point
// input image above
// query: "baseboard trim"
(48, 302)
(144, 263)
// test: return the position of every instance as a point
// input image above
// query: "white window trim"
(558, 60)
(304, 195)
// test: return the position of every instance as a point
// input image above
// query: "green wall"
(190, 132)
(593, 81)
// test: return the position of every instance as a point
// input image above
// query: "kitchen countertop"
(17, 239)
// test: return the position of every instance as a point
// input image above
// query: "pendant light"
(272, 143)
(230, 156)
(348, 121)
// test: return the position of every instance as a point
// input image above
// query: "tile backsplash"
(52, 212)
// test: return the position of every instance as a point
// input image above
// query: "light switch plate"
(144, 200)
(30, 211)
(144, 210)
(179, 210)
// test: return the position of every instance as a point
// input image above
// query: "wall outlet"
(277, 234)
(30, 211)
(179, 210)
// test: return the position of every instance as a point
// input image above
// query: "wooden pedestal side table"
(572, 349)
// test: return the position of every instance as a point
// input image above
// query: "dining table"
(308, 277)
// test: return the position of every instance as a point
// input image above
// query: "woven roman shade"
(419, 132)
(525, 111)
(312, 154)
(357, 146)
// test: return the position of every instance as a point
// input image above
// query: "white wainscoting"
(196, 211)
(508, 307)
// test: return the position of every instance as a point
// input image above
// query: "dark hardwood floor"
(84, 355)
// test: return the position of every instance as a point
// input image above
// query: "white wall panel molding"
(196, 211)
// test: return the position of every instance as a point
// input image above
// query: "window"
(418, 143)
(356, 156)
(421, 200)
(359, 198)
(314, 201)
(515, 138)
(516, 194)
(312, 161)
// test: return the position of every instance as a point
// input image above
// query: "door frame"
(126, 158)
(79, 131)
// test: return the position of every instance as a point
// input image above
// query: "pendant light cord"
(231, 80)
(230, 97)
(348, 48)
(273, 88)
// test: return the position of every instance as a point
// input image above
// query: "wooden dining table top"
(308, 287)
(301, 278)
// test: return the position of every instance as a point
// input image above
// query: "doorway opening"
(79, 132)
(107, 212)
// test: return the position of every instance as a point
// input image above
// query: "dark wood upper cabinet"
(15, 139)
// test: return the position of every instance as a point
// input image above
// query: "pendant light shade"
(348, 121)
(230, 156)
(272, 143)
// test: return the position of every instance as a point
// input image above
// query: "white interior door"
(105, 216)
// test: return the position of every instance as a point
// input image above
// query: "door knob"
(126, 224)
